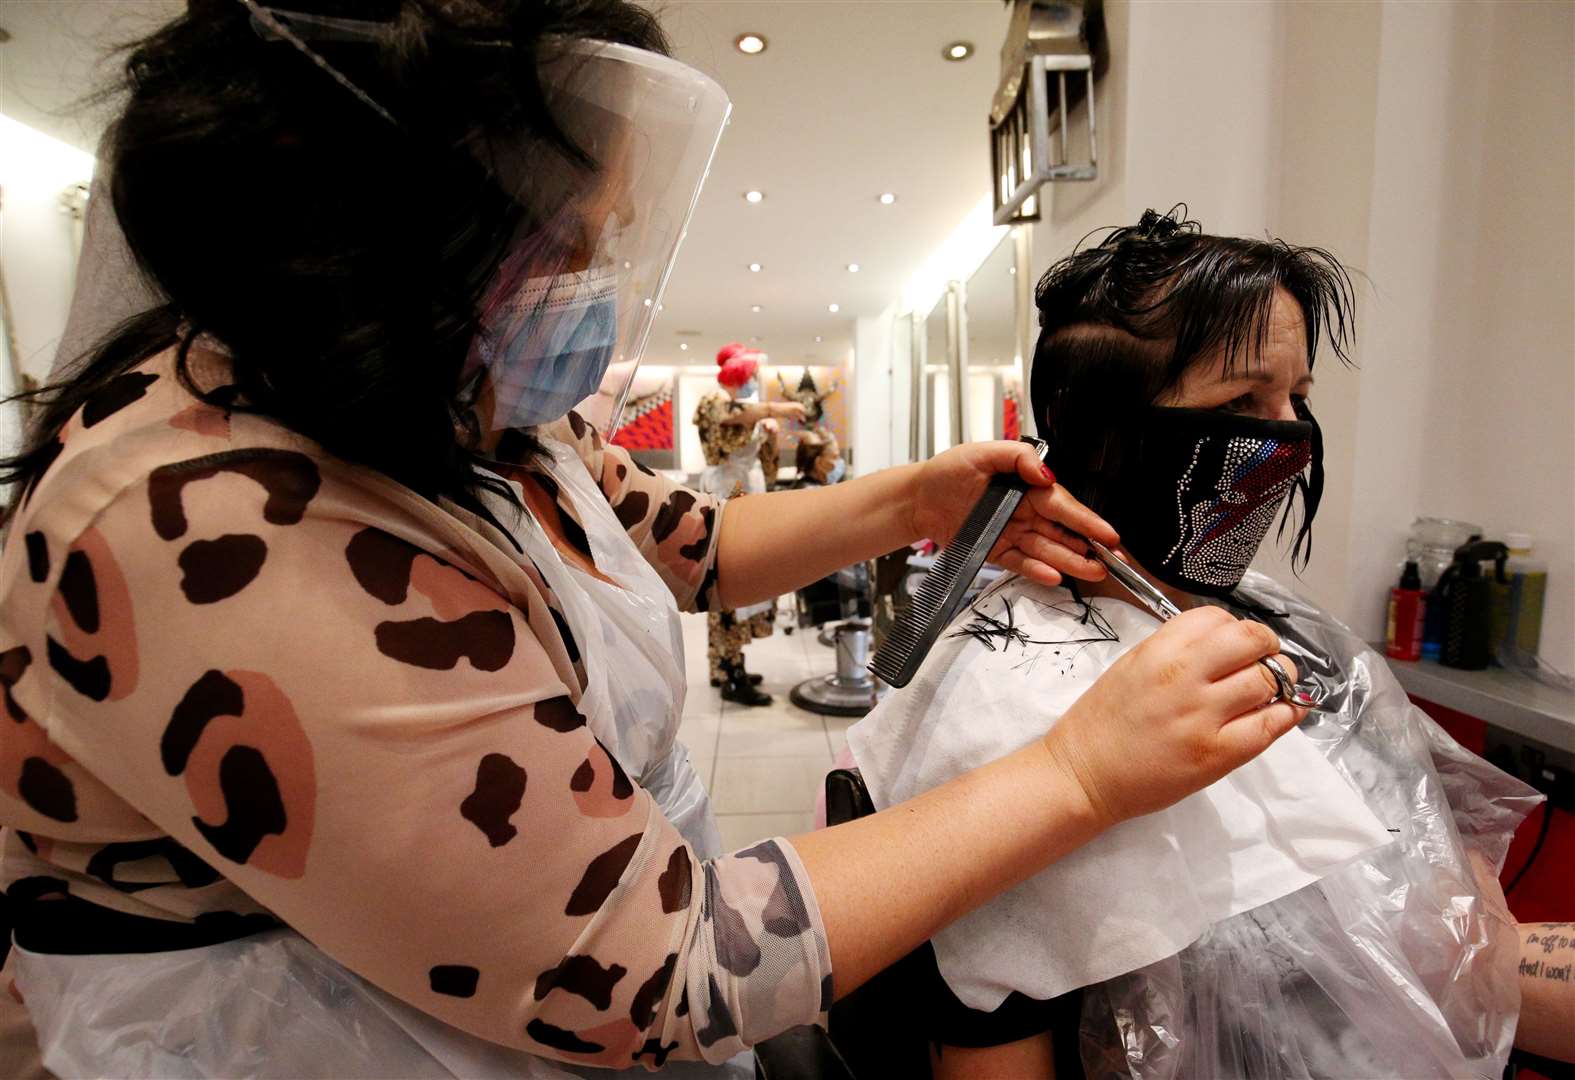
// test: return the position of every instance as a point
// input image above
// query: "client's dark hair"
(810, 447)
(339, 257)
(1121, 321)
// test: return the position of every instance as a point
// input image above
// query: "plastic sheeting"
(1403, 964)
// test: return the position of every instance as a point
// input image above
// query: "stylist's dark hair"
(1119, 322)
(339, 257)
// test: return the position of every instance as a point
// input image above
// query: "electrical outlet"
(1546, 768)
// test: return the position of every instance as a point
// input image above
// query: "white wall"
(1431, 146)
(875, 403)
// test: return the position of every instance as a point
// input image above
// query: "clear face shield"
(567, 315)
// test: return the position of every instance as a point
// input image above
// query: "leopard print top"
(243, 676)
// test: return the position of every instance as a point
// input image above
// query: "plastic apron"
(274, 1005)
(739, 472)
(1400, 965)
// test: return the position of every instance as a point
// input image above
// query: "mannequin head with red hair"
(736, 368)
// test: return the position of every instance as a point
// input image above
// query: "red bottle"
(1407, 605)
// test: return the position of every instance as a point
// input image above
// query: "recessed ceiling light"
(817, 337)
(754, 268)
(853, 268)
(1012, 270)
(958, 50)
(887, 198)
(683, 346)
(754, 196)
(647, 301)
(833, 308)
(754, 307)
(750, 44)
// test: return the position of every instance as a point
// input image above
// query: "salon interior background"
(1430, 145)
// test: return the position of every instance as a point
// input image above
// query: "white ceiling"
(850, 99)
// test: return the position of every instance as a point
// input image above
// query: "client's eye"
(1237, 404)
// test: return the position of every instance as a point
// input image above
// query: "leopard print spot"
(381, 564)
(115, 395)
(251, 792)
(642, 1009)
(79, 591)
(14, 663)
(560, 1038)
(213, 695)
(37, 556)
(559, 714)
(214, 570)
(485, 638)
(676, 883)
(499, 791)
(601, 877)
(290, 479)
(454, 980)
(632, 509)
(90, 678)
(48, 790)
(671, 514)
(584, 977)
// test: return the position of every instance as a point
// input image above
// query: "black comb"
(938, 599)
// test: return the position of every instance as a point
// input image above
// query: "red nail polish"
(1049, 476)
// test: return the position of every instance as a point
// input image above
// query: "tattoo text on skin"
(1551, 937)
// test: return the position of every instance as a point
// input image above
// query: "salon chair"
(884, 1028)
(840, 603)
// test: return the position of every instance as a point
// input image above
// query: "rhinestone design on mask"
(1221, 520)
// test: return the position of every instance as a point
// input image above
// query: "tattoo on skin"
(1556, 944)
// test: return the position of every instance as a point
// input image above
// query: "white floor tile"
(742, 830)
(837, 731)
(780, 729)
(768, 785)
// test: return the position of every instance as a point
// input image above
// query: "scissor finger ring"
(1285, 689)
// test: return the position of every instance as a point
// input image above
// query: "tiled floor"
(765, 765)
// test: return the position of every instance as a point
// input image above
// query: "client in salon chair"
(818, 460)
(1329, 910)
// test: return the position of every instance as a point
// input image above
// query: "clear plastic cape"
(1403, 964)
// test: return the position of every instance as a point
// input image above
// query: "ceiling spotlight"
(683, 346)
(750, 44)
(833, 308)
(958, 50)
(647, 301)
(853, 268)
(754, 307)
(817, 337)
(754, 196)
(887, 198)
(754, 268)
(1012, 270)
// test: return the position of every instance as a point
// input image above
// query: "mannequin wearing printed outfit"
(739, 441)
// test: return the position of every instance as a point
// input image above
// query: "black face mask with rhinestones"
(1205, 490)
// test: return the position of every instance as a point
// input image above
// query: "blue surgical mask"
(749, 389)
(838, 471)
(548, 347)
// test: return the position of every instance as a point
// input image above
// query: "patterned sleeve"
(377, 747)
(675, 527)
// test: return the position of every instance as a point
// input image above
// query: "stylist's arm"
(773, 544)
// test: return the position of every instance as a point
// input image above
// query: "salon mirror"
(995, 297)
(933, 363)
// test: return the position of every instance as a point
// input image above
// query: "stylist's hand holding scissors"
(1183, 708)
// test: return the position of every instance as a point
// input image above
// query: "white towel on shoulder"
(1145, 889)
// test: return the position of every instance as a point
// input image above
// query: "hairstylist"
(341, 659)
(739, 439)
